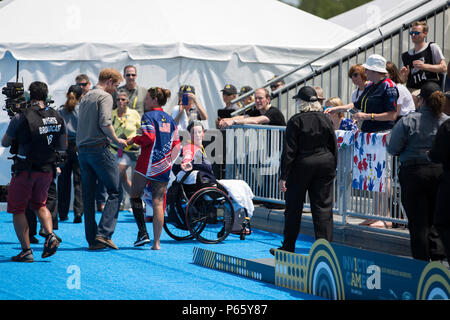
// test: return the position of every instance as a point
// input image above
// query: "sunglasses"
(82, 84)
(131, 75)
(121, 99)
(415, 33)
(355, 75)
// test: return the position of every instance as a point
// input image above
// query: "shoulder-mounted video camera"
(15, 98)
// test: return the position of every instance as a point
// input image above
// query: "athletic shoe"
(142, 239)
(50, 246)
(106, 242)
(77, 219)
(44, 234)
(24, 256)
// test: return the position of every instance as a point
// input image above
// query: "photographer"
(35, 135)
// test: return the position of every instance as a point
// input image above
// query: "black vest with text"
(41, 136)
(417, 78)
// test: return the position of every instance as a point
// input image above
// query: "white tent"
(205, 43)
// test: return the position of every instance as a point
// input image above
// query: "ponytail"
(71, 102)
(162, 95)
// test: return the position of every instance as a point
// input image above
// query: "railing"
(332, 76)
(254, 153)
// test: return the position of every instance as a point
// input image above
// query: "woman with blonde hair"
(340, 122)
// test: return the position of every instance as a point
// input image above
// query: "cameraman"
(37, 134)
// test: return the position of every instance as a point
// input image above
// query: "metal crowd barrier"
(253, 154)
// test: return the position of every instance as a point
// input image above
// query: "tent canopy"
(258, 31)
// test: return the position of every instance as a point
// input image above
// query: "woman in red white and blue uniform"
(160, 146)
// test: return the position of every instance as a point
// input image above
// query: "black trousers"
(71, 166)
(419, 185)
(442, 213)
(52, 206)
(315, 175)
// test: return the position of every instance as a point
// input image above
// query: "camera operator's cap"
(375, 62)
(229, 89)
(245, 89)
(428, 88)
(307, 94)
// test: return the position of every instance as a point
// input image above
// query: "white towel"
(241, 193)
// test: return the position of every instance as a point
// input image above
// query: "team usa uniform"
(159, 137)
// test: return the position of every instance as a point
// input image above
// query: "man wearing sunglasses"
(424, 62)
(83, 81)
(136, 93)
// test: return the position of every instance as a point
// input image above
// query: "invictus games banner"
(344, 273)
(369, 161)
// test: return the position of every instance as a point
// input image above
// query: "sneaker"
(77, 219)
(24, 256)
(50, 246)
(142, 239)
(107, 242)
(44, 234)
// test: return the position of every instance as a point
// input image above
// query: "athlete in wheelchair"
(197, 205)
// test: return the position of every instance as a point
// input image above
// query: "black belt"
(415, 162)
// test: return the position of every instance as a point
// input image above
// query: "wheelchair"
(205, 213)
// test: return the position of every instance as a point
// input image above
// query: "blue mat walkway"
(130, 273)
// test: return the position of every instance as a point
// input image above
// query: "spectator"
(126, 123)
(319, 92)
(248, 100)
(340, 122)
(405, 102)
(263, 114)
(440, 153)
(136, 93)
(94, 133)
(184, 114)
(308, 164)
(419, 178)
(376, 108)
(229, 93)
(359, 78)
(160, 147)
(424, 62)
(34, 167)
(276, 85)
(83, 81)
(71, 166)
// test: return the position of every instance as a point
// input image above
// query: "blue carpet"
(130, 273)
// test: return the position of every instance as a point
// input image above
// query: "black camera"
(15, 98)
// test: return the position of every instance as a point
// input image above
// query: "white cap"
(377, 63)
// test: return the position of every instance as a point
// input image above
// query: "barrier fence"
(253, 154)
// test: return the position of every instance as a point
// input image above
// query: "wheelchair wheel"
(174, 223)
(210, 215)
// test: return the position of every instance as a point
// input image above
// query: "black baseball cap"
(245, 89)
(186, 88)
(307, 94)
(229, 89)
(428, 88)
